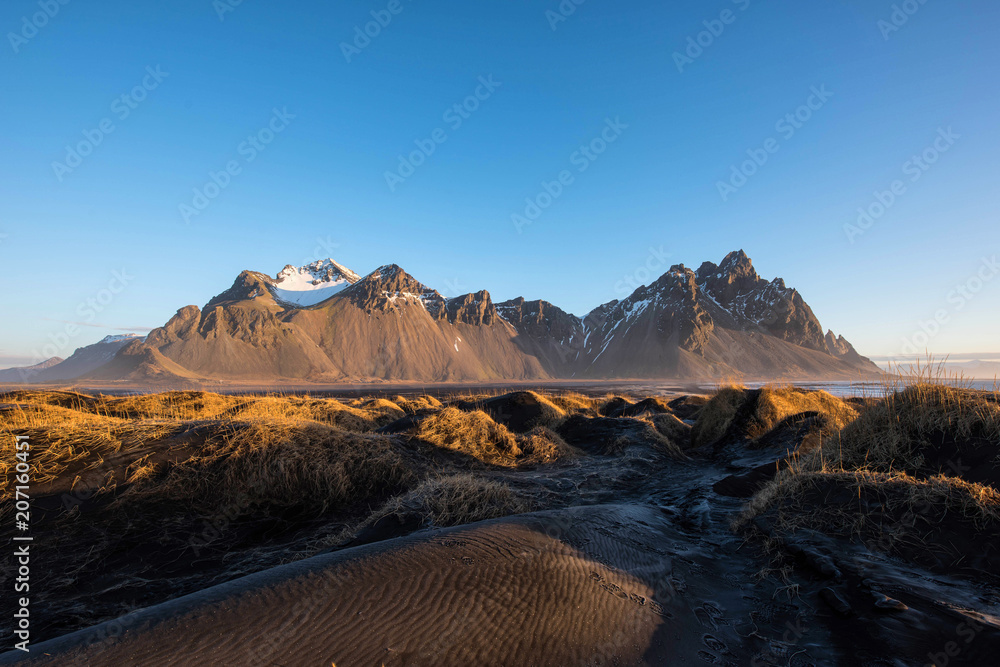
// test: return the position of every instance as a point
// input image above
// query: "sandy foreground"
(605, 585)
(639, 565)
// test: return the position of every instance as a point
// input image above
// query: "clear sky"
(310, 118)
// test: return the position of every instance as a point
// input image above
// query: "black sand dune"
(603, 585)
(590, 586)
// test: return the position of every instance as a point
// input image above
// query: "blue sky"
(921, 271)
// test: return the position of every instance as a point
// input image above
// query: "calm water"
(874, 389)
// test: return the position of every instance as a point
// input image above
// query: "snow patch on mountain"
(313, 283)
(117, 338)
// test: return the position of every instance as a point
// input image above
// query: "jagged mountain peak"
(247, 286)
(313, 283)
(322, 270)
(389, 286)
(737, 262)
(394, 279)
(473, 308)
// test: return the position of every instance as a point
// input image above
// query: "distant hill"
(83, 360)
(27, 373)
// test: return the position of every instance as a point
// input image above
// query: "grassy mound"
(454, 500)
(280, 464)
(606, 436)
(476, 434)
(413, 405)
(939, 522)
(67, 444)
(675, 430)
(573, 403)
(925, 429)
(366, 415)
(737, 412)
(915, 474)
(688, 407)
(519, 411)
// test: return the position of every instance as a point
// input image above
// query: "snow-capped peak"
(313, 283)
(117, 338)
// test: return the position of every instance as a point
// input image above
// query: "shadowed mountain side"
(727, 353)
(140, 362)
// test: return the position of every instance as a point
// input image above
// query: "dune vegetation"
(738, 412)
(176, 491)
(221, 485)
(915, 474)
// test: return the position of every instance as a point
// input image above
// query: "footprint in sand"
(708, 615)
(715, 644)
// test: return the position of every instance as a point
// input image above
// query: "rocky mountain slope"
(386, 325)
(325, 323)
(719, 321)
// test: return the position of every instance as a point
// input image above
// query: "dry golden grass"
(476, 434)
(895, 511)
(896, 431)
(66, 442)
(551, 414)
(862, 482)
(205, 450)
(764, 409)
(716, 416)
(365, 414)
(74, 436)
(413, 405)
(675, 430)
(456, 499)
(281, 463)
(526, 409)
(572, 402)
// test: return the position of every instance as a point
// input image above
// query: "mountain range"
(324, 323)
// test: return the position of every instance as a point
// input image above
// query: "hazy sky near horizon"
(117, 114)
